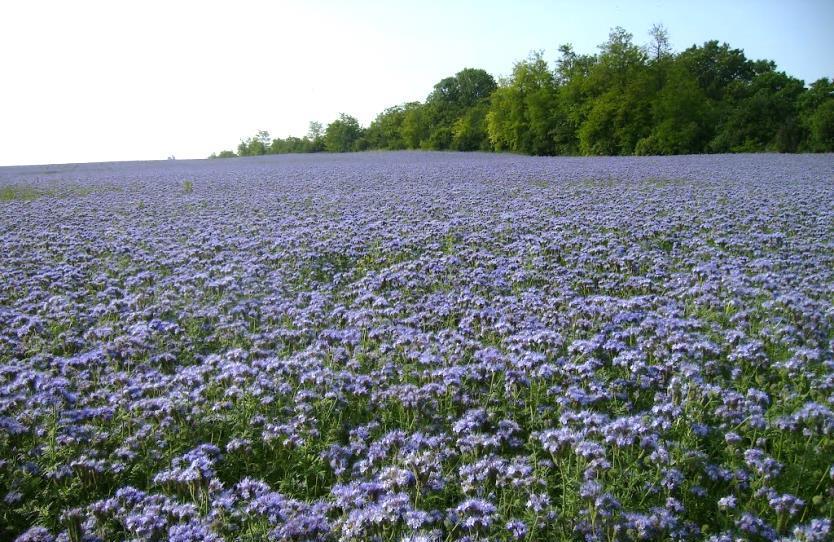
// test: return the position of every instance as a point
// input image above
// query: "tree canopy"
(626, 99)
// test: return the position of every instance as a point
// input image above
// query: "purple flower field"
(418, 347)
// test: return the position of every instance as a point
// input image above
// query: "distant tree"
(717, 68)
(565, 64)
(263, 137)
(659, 47)
(342, 134)
(415, 127)
(385, 132)
(619, 59)
(574, 92)
(243, 148)
(821, 125)
(314, 142)
(681, 115)
(761, 116)
(625, 99)
(469, 131)
(474, 86)
(597, 135)
(315, 130)
(619, 91)
(450, 101)
(254, 146)
(816, 111)
(522, 114)
(660, 58)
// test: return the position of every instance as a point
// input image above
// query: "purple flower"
(474, 514)
(762, 463)
(555, 441)
(192, 532)
(589, 450)
(816, 530)
(538, 502)
(754, 525)
(36, 534)
(786, 504)
(732, 438)
(590, 489)
(727, 503)
(517, 529)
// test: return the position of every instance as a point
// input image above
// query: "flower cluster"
(419, 346)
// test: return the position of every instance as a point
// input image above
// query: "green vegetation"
(627, 99)
(19, 193)
(30, 192)
(343, 134)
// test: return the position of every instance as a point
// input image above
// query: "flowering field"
(418, 346)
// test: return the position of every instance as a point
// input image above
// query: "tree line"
(627, 99)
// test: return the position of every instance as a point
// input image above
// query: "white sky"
(90, 81)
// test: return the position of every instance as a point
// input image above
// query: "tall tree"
(681, 114)
(618, 105)
(469, 131)
(450, 101)
(342, 135)
(385, 132)
(255, 145)
(816, 110)
(659, 47)
(521, 117)
(415, 127)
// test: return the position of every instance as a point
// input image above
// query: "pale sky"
(88, 81)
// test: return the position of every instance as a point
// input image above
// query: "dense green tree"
(385, 132)
(474, 86)
(224, 154)
(619, 60)
(821, 128)
(681, 115)
(254, 146)
(717, 68)
(763, 115)
(597, 133)
(342, 135)
(505, 118)
(452, 99)
(415, 127)
(574, 90)
(816, 113)
(469, 131)
(289, 145)
(619, 101)
(523, 113)
(467, 88)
